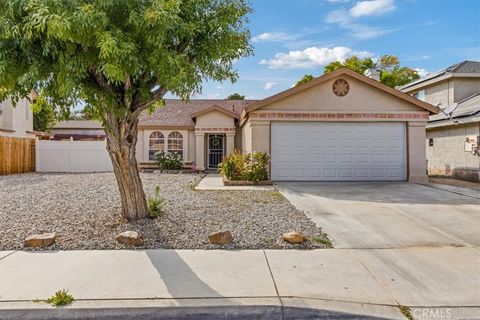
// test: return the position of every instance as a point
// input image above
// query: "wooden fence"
(17, 155)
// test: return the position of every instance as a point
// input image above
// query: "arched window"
(175, 143)
(156, 143)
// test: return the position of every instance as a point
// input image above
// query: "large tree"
(120, 57)
(235, 96)
(391, 73)
(44, 116)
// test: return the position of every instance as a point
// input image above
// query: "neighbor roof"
(470, 68)
(178, 113)
(468, 110)
(334, 74)
(78, 124)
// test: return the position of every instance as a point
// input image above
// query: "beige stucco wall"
(142, 145)
(465, 87)
(246, 130)
(361, 98)
(214, 119)
(18, 118)
(448, 151)
(450, 90)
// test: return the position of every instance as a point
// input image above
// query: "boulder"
(221, 237)
(40, 240)
(294, 237)
(131, 238)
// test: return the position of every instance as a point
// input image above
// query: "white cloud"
(356, 30)
(269, 85)
(273, 37)
(421, 72)
(372, 8)
(311, 57)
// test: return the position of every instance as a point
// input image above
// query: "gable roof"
(78, 124)
(465, 68)
(215, 108)
(332, 75)
(178, 113)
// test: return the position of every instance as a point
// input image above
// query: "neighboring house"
(78, 130)
(16, 121)
(453, 135)
(341, 126)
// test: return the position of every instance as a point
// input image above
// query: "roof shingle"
(178, 113)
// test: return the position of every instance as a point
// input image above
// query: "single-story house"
(342, 126)
(78, 130)
(453, 135)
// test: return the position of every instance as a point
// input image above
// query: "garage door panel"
(336, 151)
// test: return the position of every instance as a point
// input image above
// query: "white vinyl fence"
(72, 156)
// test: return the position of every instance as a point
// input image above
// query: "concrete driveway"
(389, 215)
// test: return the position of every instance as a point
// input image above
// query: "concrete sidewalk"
(270, 284)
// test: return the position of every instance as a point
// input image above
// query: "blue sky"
(295, 37)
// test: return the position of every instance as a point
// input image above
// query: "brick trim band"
(343, 116)
(215, 129)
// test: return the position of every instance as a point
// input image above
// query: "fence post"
(37, 158)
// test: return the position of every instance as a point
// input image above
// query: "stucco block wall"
(447, 156)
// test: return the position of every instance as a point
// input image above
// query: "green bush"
(249, 166)
(60, 298)
(156, 204)
(169, 160)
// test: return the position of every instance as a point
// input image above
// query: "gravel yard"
(84, 211)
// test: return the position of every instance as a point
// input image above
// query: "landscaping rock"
(40, 240)
(131, 238)
(293, 237)
(221, 237)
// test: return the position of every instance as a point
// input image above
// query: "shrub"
(60, 298)
(169, 160)
(249, 166)
(156, 204)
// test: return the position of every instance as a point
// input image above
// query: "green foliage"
(323, 241)
(306, 78)
(87, 113)
(391, 73)
(249, 166)
(406, 312)
(60, 298)
(235, 96)
(169, 160)
(118, 56)
(43, 114)
(156, 204)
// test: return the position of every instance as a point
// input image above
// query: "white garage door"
(338, 151)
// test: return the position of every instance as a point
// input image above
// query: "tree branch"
(156, 95)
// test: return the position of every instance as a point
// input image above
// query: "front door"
(216, 150)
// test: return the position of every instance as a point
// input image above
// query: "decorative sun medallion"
(340, 87)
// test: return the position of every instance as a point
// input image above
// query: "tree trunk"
(121, 145)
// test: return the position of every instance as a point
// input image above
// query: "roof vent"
(373, 74)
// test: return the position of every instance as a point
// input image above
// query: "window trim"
(160, 138)
(179, 140)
